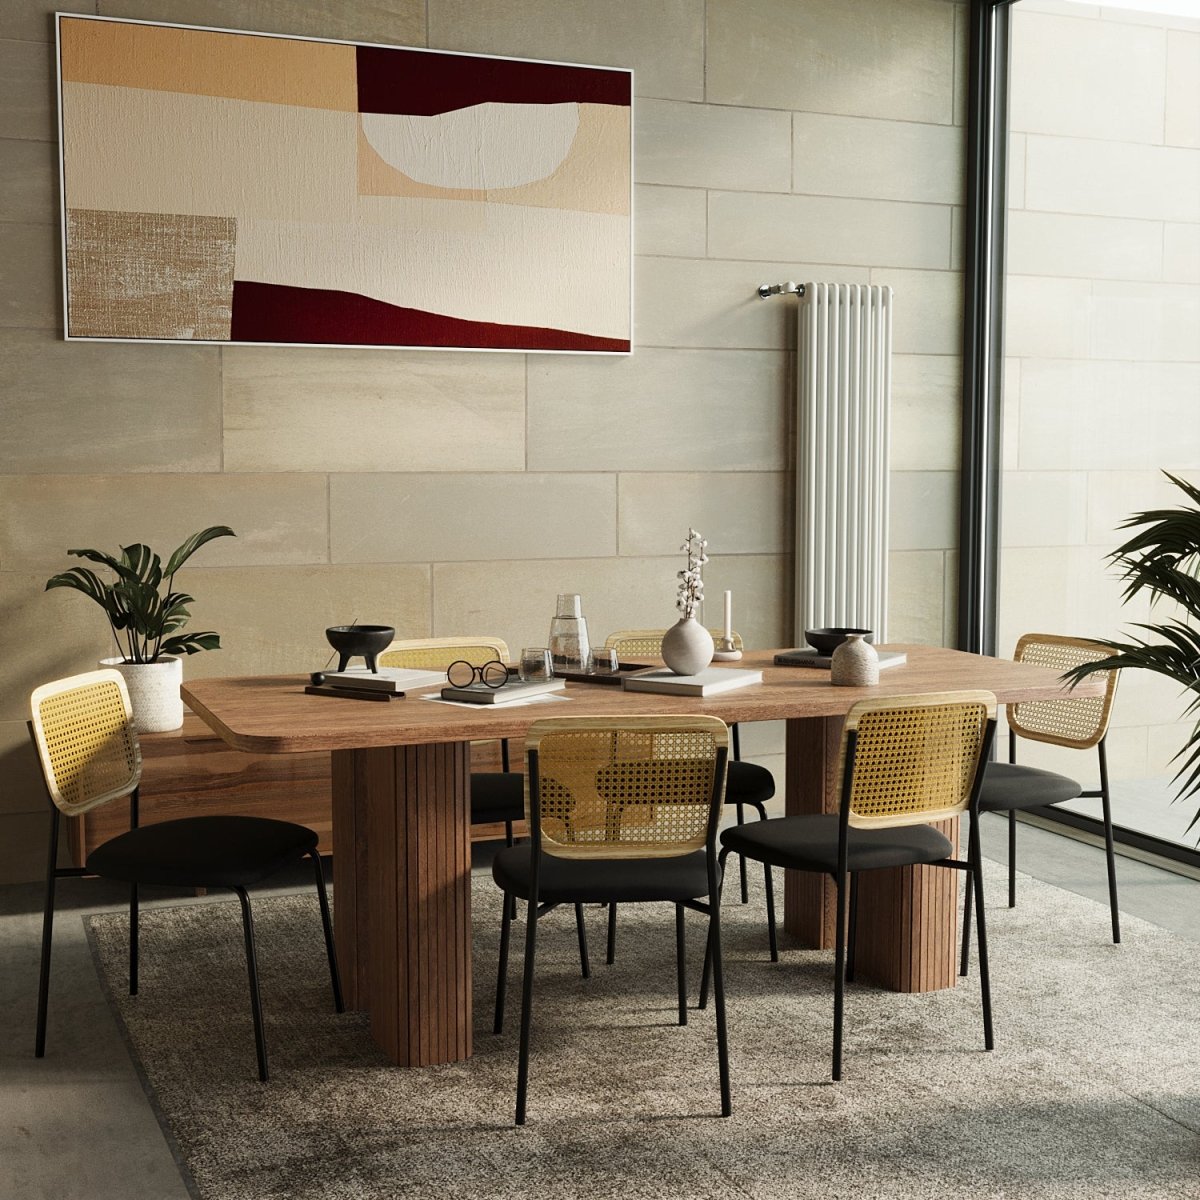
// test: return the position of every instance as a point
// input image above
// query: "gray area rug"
(1093, 1089)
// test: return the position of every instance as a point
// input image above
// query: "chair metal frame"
(649, 641)
(1077, 724)
(103, 742)
(608, 848)
(860, 757)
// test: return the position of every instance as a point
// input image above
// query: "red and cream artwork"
(236, 187)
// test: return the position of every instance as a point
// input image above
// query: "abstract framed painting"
(228, 187)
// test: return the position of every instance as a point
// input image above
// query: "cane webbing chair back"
(637, 787)
(1078, 723)
(85, 740)
(916, 757)
(636, 642)
(436, 654)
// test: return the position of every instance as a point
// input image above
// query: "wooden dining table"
(401, 822)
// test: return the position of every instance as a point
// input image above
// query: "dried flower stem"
(691, 580)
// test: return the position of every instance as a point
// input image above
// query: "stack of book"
(514, 689)
(709, 682)
(386, 683)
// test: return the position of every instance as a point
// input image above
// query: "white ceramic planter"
(687, 647)
(153, 692)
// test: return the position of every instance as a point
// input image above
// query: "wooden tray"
(611, 678)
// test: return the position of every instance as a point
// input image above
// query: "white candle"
(728, 616)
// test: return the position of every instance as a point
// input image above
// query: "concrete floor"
(77, 1124)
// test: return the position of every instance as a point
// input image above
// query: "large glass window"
(1101, 388)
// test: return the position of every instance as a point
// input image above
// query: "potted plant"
(146, 614)
(1163, 560)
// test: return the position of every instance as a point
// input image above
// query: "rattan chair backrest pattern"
(434, 654)
(637, 787)
(633, 642)
(1077, 723)
(915, 757)
(85, 740)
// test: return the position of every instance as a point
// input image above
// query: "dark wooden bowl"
(351, 641)
(826, 641)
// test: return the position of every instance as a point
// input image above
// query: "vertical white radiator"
(844, 391)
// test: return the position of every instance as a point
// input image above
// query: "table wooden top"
(272, 714)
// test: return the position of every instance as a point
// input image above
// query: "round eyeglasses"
(463, 674)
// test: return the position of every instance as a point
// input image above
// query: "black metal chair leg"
(502, 968)
(964, 958)
(713, 955)
(772, 936)
(839, 976)
(1108, 845)
(260, 1040)
(853, 931)
(706, 977)
(985, 986)
(741, 820)
(39, 1048)
(1012, 858)
(681, 962)
(585, 967)
(335, 978)
(526, 1011)
(611, 953)
(133, 939)
(508, 841)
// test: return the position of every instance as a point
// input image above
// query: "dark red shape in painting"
(422, 83)
(269, 312)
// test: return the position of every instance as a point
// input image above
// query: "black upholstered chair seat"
(497, 796)
(1009, 786)
(602, 880)
(811, 844)
(748, 783)
(232, 852)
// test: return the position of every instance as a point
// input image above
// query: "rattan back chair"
(905, 761)
(89, 754)
(619, 810)
(748, 785)
(1076, 723)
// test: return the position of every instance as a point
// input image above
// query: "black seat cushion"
(600, 880)
(748, 783)
(497, 796)
(1008, 786)
(811, 844)
(203, 851)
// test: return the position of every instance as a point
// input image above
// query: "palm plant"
(140, 604)
(1163, 560)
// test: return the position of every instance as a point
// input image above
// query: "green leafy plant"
(140, 603)
(1163, 560)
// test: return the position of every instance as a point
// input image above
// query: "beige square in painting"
(150, 275)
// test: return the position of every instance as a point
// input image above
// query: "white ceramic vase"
(153, 692)
(687, 647)
(854, 663)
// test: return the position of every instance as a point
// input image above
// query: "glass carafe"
(569, 646)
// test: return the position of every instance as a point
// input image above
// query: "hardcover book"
(516, 689)
(395, 680)
(708, 682)
(807, 657)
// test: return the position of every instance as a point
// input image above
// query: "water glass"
(535, 665)
(604, 662)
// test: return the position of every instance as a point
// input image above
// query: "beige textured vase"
(153, 692)
(687, 647)
(854, 663)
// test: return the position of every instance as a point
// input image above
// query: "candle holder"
(725, 651)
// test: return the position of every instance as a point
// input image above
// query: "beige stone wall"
(1103, 329)
(445, 493)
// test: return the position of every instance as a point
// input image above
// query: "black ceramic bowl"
(352, 640)
(826, 641)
